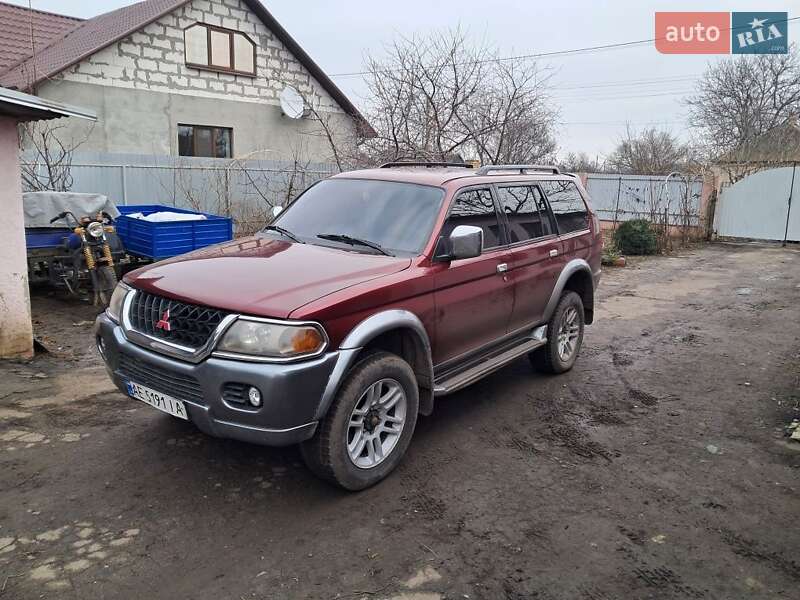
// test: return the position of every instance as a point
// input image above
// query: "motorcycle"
(91, 247)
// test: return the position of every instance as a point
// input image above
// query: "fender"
(366, 331)
(572, 267)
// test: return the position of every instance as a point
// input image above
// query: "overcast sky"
(597, 92)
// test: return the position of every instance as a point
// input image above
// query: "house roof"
(88, 37)
(24, 107)
(22, 30)
(781, 144)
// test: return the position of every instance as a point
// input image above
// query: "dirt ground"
(657, 468)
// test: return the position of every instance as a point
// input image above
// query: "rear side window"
(476, 208)
(526, 212)
(567, 205)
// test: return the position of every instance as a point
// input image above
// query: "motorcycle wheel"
(105, 282)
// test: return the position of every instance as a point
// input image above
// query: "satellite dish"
(292, 103)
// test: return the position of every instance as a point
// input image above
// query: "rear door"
(534, 251)
(473, 296)
(572, 218)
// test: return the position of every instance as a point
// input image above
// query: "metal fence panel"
(243, 189)
(758, 207)
(623, 197)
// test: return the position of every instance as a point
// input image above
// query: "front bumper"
(294, 395)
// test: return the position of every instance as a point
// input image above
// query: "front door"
(473, 296)
(535, 251)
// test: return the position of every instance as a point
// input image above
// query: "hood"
(261, 275)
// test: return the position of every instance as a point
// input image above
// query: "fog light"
(254, 396)
(101, 346)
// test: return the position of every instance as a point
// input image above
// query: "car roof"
(440, 176)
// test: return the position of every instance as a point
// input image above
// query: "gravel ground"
(657, 468)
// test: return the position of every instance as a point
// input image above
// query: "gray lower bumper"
(294, 395)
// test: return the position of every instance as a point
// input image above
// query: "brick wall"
(153, 59)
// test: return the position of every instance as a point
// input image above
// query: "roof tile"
(16, 23)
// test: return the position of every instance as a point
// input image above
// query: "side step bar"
(457, 381)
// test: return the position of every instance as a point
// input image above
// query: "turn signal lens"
(306, 341)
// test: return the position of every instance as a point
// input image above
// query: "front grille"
(173, 321)
(182, 387)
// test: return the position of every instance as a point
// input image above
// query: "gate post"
(789, 207)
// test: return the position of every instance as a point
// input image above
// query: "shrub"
(610, 254)
(635, 237)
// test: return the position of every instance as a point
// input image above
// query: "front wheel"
(564, 337)
(369, 426)
(105, 280)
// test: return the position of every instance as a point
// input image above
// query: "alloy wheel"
(376, 423)
(568, 332)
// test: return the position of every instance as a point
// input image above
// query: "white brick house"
(197, 77)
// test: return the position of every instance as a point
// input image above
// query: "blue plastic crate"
(164, 240)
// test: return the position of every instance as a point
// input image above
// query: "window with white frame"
(218, 49)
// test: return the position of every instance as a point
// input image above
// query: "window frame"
(577, 232)
(214, 129)
(503, 237)
(232, 70)
(549, 213)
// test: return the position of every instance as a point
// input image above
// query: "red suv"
(370, 295)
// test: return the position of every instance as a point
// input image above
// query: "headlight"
(95, 229)
(114, 309)
(272, 340)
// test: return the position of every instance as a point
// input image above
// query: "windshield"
(398, 217)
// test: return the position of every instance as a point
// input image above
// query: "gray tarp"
(40, 207)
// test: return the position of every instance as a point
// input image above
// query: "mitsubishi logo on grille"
(163, 322)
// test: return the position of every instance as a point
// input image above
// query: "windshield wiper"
(284, 232)
(353, 241)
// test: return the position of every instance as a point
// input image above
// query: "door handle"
(502, 267)
(553, 253)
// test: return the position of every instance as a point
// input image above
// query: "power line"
(572, 51)
(631, 82)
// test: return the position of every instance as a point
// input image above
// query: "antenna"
(292, 102)
(33, 42)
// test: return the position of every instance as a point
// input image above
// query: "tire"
(548, 358)
(328, 453)
(106, 282)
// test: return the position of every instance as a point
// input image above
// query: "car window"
(397, 216)
(526, 212)
(476, 208)
(567, 205)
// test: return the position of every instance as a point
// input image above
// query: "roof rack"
(394, 165)
(521, 169)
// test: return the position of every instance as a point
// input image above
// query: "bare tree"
(581, 163)
(741, 97)
(649, 152)
(49, 164)
(441, 97)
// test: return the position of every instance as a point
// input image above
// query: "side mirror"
(465, 241)
(276, 210)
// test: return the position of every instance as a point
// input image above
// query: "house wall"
(16, 333)
(141, 89)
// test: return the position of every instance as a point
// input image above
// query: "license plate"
(162, 402)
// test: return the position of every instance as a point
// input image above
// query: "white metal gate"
(758, 206)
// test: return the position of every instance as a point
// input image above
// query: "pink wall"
(16, 334)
